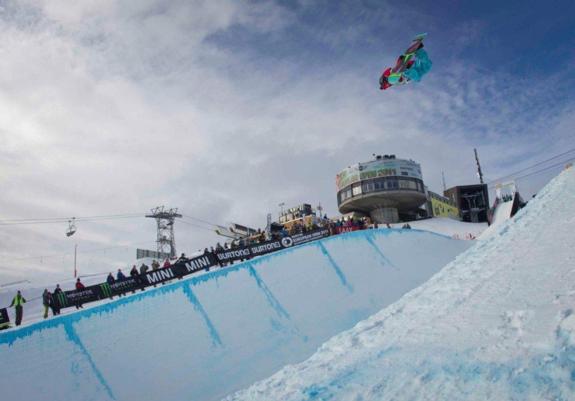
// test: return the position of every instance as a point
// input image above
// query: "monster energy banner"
(4, 319)
(250, 251)
(131, 284)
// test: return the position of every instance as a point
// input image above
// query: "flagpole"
(75, 251)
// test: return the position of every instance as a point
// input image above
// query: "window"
(367, 187)
(356, 189)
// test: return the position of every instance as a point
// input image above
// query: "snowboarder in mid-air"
(410, 66)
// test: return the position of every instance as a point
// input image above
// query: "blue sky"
(227, 108)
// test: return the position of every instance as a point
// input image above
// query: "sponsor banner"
(269, 246)
(310, 236)
(4, 319)
(130, 284)
(246, 252)
(377, 168)
(229, 255)
(341, 230)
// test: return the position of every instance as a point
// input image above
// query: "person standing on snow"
(47, 302)
(79, 287)
(56, 305)
(17, 303)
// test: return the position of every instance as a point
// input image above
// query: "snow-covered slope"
(210, 335)
(495, 324)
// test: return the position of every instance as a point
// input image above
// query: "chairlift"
(71, 227)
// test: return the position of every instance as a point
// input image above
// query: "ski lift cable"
(547, 168)
(195, 225)
(534, 165)
(56, 255)
(67, 219)
(200, 220)
(562, 163)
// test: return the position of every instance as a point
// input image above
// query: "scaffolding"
(165, 219)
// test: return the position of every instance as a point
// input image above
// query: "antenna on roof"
(478, 166)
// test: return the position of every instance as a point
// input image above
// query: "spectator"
(120, 276)
(167, 263)
(17, 303)
(47, 302)
(155, 265)
(135, 274)
(55, 300)
(79, 287)
(182, 258)
(143, 269)
(110, 279)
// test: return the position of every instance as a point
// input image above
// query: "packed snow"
(205, 337)
(495, 324)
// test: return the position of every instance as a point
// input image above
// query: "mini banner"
(131, 284)
(4, 319)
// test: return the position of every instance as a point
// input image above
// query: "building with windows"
(386, 189)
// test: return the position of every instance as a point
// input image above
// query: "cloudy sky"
(224, 109)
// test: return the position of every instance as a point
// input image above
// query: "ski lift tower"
(165, 219)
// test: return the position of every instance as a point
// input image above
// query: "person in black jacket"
(110, 279)
(55, 300)
(136, 276)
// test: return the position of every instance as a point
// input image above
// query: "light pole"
(281, 205)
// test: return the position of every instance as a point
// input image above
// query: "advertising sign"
(4, 319)
(101, 291)
(377, 168)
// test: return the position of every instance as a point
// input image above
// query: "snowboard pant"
(46, 311)
(19, 313)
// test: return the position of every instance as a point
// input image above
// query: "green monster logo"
(106, 290)
(62, 299)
